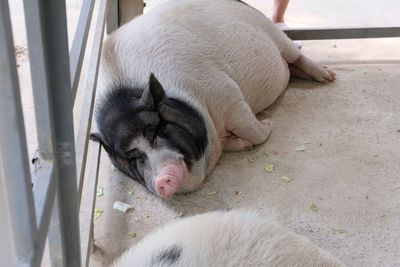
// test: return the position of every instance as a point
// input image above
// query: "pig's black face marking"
(168, 256)
(182, 128)
(128, 114)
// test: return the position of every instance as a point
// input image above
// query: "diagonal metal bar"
(90, 86)
(89, 201)
(79, 44)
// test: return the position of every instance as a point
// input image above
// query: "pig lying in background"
(182, 83)
(222, 239)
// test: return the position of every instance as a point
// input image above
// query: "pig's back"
(193, 47)
(220, 239)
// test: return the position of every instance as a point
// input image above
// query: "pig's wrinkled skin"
(222, 58)
(220, 239)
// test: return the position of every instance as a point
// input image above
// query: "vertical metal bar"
(112, 15)
(56, 36)
(46, 173)
(40, 82)
(53, 47)
(13, 149)
(128, 9)
(7, 253)
(79, 44)
(89, 200)
(90, 86)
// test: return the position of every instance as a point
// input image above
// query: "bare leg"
(278, 11)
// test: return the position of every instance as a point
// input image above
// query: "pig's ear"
(98, 138)
(153, 94)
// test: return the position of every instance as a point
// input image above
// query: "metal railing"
(48, 204)
(56, 202)
(342, 33)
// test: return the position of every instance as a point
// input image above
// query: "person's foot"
(281, 26)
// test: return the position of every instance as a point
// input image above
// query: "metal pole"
(112, 16)
(13, 149)
(52, 42)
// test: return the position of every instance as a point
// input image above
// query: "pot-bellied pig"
(222, 239)
(182, 83)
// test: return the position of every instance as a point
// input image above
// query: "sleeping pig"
(221, 239)
(183, 83)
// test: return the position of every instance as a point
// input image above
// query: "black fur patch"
(168, 256)
(183, 128)
(127, 113)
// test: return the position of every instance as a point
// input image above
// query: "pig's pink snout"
(169, 179)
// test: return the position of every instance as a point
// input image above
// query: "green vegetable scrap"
(97, 213)
(99, 191)
(313, 207)
(269, 167)
(212, 193)
(338, 231)
(132, 234)
(300, 148)
(130, 193)
(287, 178)
(146, 215)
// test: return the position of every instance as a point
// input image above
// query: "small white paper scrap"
(121, 206)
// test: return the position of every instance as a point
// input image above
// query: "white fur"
(221, 239)
(223, 57)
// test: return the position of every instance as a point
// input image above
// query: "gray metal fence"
(48, 204)
(55, 203)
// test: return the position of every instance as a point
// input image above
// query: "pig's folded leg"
(236, 144)
(297, 73)
(313, 70)
(244, 124)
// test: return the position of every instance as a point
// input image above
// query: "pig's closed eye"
(136, 155)
(141, 159)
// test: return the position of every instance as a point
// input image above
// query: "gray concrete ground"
(345, 188)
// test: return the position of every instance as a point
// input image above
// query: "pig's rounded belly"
(261, 95)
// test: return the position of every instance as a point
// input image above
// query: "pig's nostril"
(161, 189)
(168, 181)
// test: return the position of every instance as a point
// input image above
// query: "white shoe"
(281, 26)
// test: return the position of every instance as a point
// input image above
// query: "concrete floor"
(349, 170)
(350, 167)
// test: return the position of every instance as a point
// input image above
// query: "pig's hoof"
(237, 144)
(263, 131)
(267, 128)
(324, 75)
